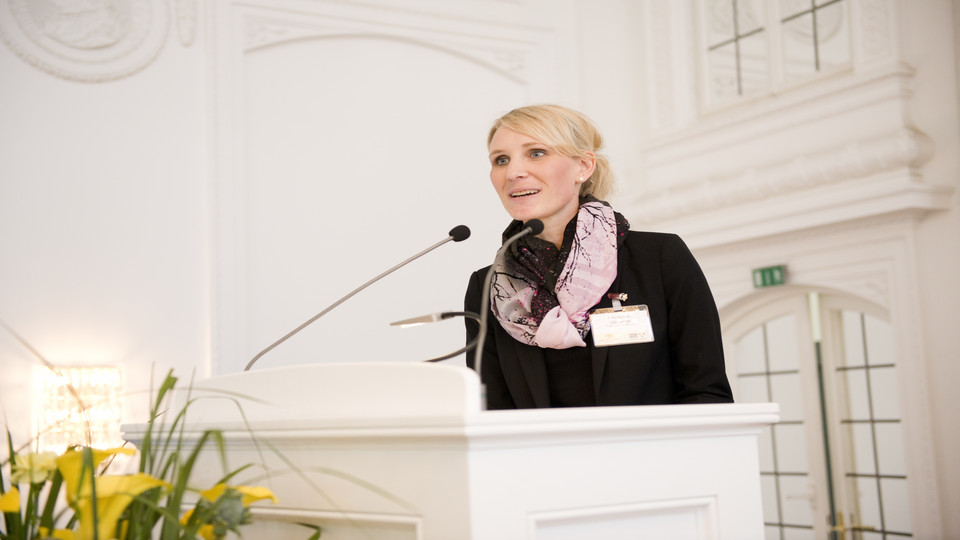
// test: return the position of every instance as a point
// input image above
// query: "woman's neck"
(552, 234)
(554, 228)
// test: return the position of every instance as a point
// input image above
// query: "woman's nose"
(515, 171)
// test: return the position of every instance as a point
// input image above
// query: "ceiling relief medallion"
(85, 40)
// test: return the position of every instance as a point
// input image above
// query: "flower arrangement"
(75, 495)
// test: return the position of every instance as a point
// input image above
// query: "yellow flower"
(32, 468)
(205, 532)
(114, 494)
(226, 508)
(59, 534)
(10, 501)
(72, 468)
(251, 494)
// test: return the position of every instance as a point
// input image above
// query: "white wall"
(929, 33)
(350, 137)
(104, 220)
(217, 173)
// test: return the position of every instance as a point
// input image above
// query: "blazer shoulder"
(651, 238)
(660, 243)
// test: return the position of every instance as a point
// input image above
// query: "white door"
(833, 467)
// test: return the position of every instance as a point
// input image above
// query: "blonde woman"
(587, 312)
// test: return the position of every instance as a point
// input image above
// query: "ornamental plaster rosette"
(85, 40)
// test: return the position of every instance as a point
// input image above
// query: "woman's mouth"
(524, 193)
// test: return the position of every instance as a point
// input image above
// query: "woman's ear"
(588, 162)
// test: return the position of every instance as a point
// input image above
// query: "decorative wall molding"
(186, 15)
(901, 149)
(660, 62)
(92, 42)
(519, 56)
(507, 58)
(875, 32)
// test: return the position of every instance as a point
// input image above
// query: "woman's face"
(534, 181)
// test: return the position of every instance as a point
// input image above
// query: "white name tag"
(631, 324)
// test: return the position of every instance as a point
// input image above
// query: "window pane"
(752, 390)
(879, 345)
(852, 330)
(886, 402)
(791, 447)
(858, 405)
(787, 390)
(750, 16)
(896, 505)
(753, 64)
(793, 533)
(890, 449)
(833, 36)
(768, 490)
(718, 16)
(750, 352)
(722, 73)
(792, 7)
(771, 533)
(867, 502)
(799, 55)
(782, 343)
(859, 449)
(795, 493)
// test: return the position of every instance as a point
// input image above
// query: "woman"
(587, 312)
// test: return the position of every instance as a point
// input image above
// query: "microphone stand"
(534, 227)
(457, 234)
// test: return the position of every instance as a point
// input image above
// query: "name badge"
(621, 325)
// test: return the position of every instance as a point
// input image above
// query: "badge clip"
(616, 298)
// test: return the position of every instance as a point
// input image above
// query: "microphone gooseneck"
(534, 227)
(434, 317)
(457, 234)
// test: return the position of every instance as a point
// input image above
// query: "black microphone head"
(462, 232)
(535, 226)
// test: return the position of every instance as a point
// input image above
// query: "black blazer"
(684, 363)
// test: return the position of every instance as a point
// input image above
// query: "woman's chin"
(523, 212)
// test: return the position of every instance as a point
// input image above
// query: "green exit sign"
(769, 276)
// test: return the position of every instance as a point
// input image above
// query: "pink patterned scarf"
(541, 295)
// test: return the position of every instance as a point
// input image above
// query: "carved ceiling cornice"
(901, 149)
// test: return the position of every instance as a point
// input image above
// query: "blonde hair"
(569, 132)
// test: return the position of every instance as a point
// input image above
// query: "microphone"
(457, 234)
(434, 317)
(534, 227)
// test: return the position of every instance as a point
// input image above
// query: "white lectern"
(404, 451)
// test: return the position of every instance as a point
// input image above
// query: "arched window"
(834, 466)
(756, 47)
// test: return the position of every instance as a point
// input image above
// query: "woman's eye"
(500, 160)
(538, 153)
